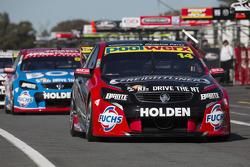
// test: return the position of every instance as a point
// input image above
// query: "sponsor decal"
(159, 78)
(197, 13)
(116, 96)
(57, 95)
(165, 112)
(210, 96)
(110, 118)
(125, 49)
(138, 88)
(97, 102)
(176, 88)
(24, 99)
(50, 73)
(28, 85)
(216, 117)
(86, 49)
(43, 80)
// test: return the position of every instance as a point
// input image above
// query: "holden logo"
(164, 98)
(60, 86)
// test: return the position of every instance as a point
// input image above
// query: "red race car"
(148, 89)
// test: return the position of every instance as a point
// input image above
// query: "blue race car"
(41, 80)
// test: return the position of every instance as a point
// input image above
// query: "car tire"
(12, 109)
(73, 132)
(89, 124)
(5, 107)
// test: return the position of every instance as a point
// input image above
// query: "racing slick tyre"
(89, 131)
(5, 107)
(7, 111)
(73, 132)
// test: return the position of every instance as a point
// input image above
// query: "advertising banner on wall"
(130, 22)
(106, 25)
(196, 13)
(241, 9)
(223, 14)
(155, 21)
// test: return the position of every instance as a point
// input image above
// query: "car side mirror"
(9, 70)
(83, 72)
(217, 72)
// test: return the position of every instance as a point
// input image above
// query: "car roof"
(49, 52)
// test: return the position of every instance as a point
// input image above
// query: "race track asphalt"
(49, 135)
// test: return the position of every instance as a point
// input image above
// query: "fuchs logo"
(216, 117)
(109, 118)
(24, 99)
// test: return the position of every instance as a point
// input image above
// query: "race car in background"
(148, 89)
(6, 60)
(41, 80)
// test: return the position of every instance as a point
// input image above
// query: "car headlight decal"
(114, 96)
(27, 85)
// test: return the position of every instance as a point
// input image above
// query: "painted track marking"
(237, 113)
(34, 155)
(238, 106)
(240, 123)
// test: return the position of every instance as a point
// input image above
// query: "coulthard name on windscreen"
(50, 63)
(151, 63)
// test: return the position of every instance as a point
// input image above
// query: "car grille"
(154, 97)
(61, 85)
(57, 103)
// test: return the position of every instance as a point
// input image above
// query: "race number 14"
(185, 55)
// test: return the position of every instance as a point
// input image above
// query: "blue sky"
(47, 13)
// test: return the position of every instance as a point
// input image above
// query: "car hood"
(47, 76)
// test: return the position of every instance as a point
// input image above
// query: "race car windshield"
(50, 63)
(151, 63)
(5, 62)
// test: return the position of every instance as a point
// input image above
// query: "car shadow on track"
(39, 114)
(233, 137)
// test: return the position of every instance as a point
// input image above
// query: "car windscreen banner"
(126, 49)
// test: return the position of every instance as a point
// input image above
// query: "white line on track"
(238, 106)
(34, 155)
(240, 123)
(237, 113)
